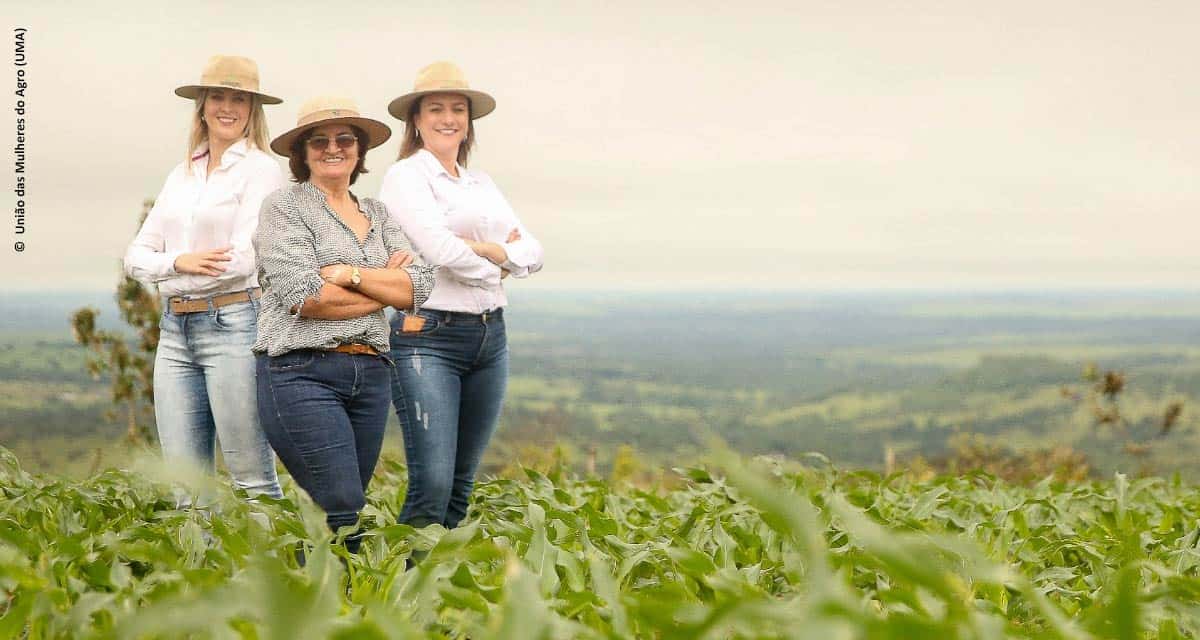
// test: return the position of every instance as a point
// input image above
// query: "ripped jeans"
(447, 387)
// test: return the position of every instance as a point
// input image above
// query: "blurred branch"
(129, 363)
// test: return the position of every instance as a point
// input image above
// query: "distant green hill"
(852, 376)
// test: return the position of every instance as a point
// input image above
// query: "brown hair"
(412, 142)
(256, 133)
(300, 169)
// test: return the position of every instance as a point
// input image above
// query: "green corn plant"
(739, 549)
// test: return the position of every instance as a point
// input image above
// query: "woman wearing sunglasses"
(195, 245)
(329, 263)
(451, 355)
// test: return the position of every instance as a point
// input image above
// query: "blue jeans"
(447, 387)
(204, 391)
(325, 414)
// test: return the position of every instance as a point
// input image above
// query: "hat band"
(443, 87)
(326, 114)
(248, 84)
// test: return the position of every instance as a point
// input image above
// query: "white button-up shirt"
(437, 210)
(200, 212)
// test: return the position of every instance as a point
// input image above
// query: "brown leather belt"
(185, 305)
(356, 349)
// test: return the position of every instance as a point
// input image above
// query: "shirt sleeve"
(422, 275)
(525, 256)
(394, 238)
(146, 259)
(287, 256)
(410, 202)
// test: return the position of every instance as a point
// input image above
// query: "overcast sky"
(831, 145)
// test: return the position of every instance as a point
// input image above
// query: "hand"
(204, 263)
(513, 236)
(338, 274)
(504, 273)
(399, 260)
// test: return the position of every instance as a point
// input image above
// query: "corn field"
(761, 549)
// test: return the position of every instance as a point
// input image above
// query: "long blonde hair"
(412, 142)
(255, 132)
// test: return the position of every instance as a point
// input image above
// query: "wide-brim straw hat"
(442, 77)
(228, 72)
(324, 110)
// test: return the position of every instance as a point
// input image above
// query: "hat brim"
(192, 91)
(377, 132)
(481, 103)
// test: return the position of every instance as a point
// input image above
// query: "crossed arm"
(284, 245)
(390, 286)
(493, 251)
(338, 299)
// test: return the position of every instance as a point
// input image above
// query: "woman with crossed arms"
(329, 263)
(451, 355)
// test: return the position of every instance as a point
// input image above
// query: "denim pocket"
(236, 317)
(430, 322)
(292, 360)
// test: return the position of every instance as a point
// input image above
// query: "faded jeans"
(204, 392)
(447, 387)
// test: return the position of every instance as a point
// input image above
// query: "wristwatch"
(355, 277)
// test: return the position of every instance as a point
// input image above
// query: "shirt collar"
(435, 166)
(318, 195)
(235, 152)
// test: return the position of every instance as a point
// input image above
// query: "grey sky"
(799, 144)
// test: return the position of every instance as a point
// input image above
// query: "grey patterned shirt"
(297, 235)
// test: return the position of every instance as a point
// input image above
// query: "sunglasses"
(342, 140)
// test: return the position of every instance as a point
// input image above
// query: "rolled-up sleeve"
(287, 256)
(410, 202)
(525, 256)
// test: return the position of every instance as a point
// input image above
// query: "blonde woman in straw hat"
(452, 355)
(330, 262)
(196, 246)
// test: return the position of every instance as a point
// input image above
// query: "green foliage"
(862, 381)
(131, 367)
(767, 551)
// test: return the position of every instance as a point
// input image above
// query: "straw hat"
(442, 77)
(331, 110)
(227, 72)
